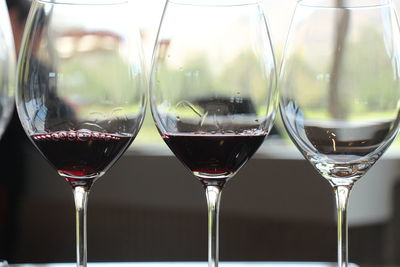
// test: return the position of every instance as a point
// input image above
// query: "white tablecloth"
(189, 264)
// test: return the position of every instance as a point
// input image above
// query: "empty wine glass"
(213, 91)
(7, 68)
(81, 90)
(340, 91)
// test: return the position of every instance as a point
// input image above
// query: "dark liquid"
(213, 156)
(79, 155)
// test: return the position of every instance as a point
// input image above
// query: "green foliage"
(106, 77)
(365, 77)
(241, 76)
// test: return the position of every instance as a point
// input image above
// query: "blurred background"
(148, 207)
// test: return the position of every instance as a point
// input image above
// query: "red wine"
(79, 155)
(214, 156)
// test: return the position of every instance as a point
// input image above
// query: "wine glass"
(340, 91)
(213, 91)
(81, 90)
(7, 68)
(7, 78)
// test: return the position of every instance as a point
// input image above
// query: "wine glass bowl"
(349, 114)
(213, 91)
(212, 84)
(81, 85)
(339, 86)
(81, 90)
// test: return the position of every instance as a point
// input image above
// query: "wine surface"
(81, 154)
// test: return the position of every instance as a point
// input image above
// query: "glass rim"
(344, 3)
(215, 2)
(83, 2)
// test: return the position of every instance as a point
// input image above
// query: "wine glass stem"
(213, 194)
(80, 196)
(342, 195)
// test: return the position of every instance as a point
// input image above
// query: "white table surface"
(191, 264)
